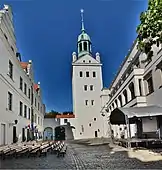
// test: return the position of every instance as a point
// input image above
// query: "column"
(123, 99)
(136, 87)
(129, 94)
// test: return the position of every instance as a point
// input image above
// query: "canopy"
(118, 115)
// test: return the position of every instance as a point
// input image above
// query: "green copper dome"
(83, 37)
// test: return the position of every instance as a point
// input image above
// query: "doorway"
(3, 134)
(14, 134)
(23, 135)
(96, 134)
(60, 133)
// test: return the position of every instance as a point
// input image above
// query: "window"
(38, 120)
(12, 48)
(131, 88)
(85, 46)
(25, 111)
(89, 61)
(41, 109)
(90, 124)
(91, 87)
(29, 113)
(80, 47)
(82, 128)
(10, 71)
(94, 74)
(65, 120)
(125, 95)
(21, 109)
(6, 36)
(86, 102)
(85, 87)
(38, 106)
(81, 74)
(9, 101)
(29, 93)
(120, 100)
(116, 103)
(150, 85)
(95, 119)
(35, 118)
(83, 61)
(140, 86)
(87, 74)
(92, 102)
(21, 83)
(35, 102)
(25, 88)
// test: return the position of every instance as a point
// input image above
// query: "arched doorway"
(48, 133)
(60, 133)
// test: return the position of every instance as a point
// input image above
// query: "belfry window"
(80, 47)
(85, 46)
(89, 46)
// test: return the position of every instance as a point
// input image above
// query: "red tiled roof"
(65, 116)
(24, 65)
(36, 87)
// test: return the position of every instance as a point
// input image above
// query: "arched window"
(131, 88)
(80, 47)
(85, 46)
(116, 103)
(125, 95)
(113, 105)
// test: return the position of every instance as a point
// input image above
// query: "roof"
(24, 65)
(142, 111)
(118, 115)
(84, 37)
(65, 116)
(36, 87)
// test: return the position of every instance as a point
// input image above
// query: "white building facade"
(137, 84)
(86, 88)
(21, 104)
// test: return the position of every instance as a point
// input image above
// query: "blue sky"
(47, 30)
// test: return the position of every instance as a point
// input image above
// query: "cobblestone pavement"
(81, 157)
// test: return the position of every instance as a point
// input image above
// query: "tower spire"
(82, 11)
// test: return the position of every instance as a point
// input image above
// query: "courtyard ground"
(89, 157)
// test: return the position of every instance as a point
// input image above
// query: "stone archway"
(48, 133)
(60, 133)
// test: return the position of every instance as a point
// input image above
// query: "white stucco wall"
(85, 114)
(12, 85)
